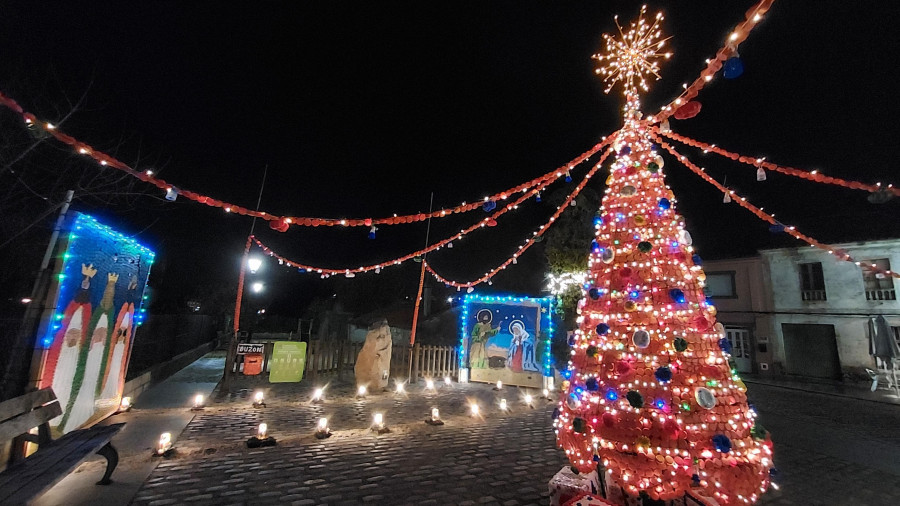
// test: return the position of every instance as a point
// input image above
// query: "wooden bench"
(27, 478)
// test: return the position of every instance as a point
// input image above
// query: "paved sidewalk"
(497, 458)
(162, 408)
(860, 391)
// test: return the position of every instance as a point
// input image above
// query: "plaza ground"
(830, 449)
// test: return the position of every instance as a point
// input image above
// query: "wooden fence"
(328, 357)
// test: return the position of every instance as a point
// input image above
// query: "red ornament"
(671, 429)
(688, 110)
(624, 368)
(279, 225)
(608, 419)
(492, 222)
(367, 222)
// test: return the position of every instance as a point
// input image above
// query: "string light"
(790, 230)
(282, 222)
(812, 175)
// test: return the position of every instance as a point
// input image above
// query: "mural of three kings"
(504, 342)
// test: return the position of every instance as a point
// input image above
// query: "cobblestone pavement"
(828, 450)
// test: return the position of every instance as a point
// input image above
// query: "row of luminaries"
(262, 437)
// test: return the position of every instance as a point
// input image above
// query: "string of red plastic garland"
(761, 163)
(528, 243)
(741, 201)
(739, 34)
(277, 222)
(325, 272)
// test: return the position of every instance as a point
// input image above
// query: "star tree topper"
(633, 55)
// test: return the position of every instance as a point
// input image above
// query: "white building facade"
(803, 312)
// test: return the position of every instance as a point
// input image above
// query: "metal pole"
(15, 379)
(415, 322)
(232, 346)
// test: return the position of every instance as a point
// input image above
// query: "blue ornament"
(591, 384)
(663, 374)
(611, 395)
(722, 443)
(602, 328)
(537, 197)
(695, 479)
(725, 345)
(697, 260)
(571, 340)
(626, 150)
(568, 177)
(664, 203)
(776, 228)
(555, 413)
(489, 206)
(594, 294)
(677, 295)
(660, 404)
(773, 472)
(733, 68)
(595, 246)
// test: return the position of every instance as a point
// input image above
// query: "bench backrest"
(23, 413)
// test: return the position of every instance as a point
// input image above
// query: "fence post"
(415, 364)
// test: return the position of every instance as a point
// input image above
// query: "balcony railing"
(887, 294)
(811, 295)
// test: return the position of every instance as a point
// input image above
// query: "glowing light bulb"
(198, 401)
(435, 414)
(400, 388)
(125, 405)
(528, 399)
(262, 430)
(499, 385)
(475, 410)
(503, 405)
(429, 384)
(447, 380)
(318, 394)
(258, 398)
(165, 443)
(378, 421)
(361, 391)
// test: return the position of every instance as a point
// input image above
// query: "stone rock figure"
(373, 365)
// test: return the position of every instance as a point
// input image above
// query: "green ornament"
(680, 344)
(685, 406)
(635, 399)
(592, 351)
(758, 431)
(653, 167)
(579, 425)
(644, 246)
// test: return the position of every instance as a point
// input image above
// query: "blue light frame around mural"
(546, 307)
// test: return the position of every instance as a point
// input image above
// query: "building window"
(720, 285)
(879, 286)
(812, 282)
(896, 331)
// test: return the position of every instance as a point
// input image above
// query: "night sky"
(364, 109)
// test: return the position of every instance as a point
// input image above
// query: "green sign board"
(287, 362)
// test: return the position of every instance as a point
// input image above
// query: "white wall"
(846, 306)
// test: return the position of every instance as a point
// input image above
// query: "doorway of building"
(811, 350)
(740, 347)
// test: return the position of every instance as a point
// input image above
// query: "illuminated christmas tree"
(650, 398)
